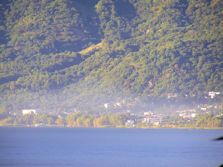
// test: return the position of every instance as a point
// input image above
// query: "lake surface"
(68, 147)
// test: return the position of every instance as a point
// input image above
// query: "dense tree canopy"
(61, 54)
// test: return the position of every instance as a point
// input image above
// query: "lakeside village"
(201, 116)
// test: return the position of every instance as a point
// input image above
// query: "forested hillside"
(62, 54)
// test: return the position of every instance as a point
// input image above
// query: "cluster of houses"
(200, 109)
(152, 119)
(187, 114)
(114, 105)
(148, 118)
(211, 94)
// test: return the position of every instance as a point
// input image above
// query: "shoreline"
(107, 127)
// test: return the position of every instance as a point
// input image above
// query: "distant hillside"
(61, 54)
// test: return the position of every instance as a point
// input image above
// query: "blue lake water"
(68, 147)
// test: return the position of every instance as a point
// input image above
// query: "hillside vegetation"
(62, 54)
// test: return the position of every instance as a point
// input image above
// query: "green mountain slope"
(58, 54)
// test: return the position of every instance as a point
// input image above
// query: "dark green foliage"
(73, 51)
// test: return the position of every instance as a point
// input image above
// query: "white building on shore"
(212, 94)
(29, 111)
